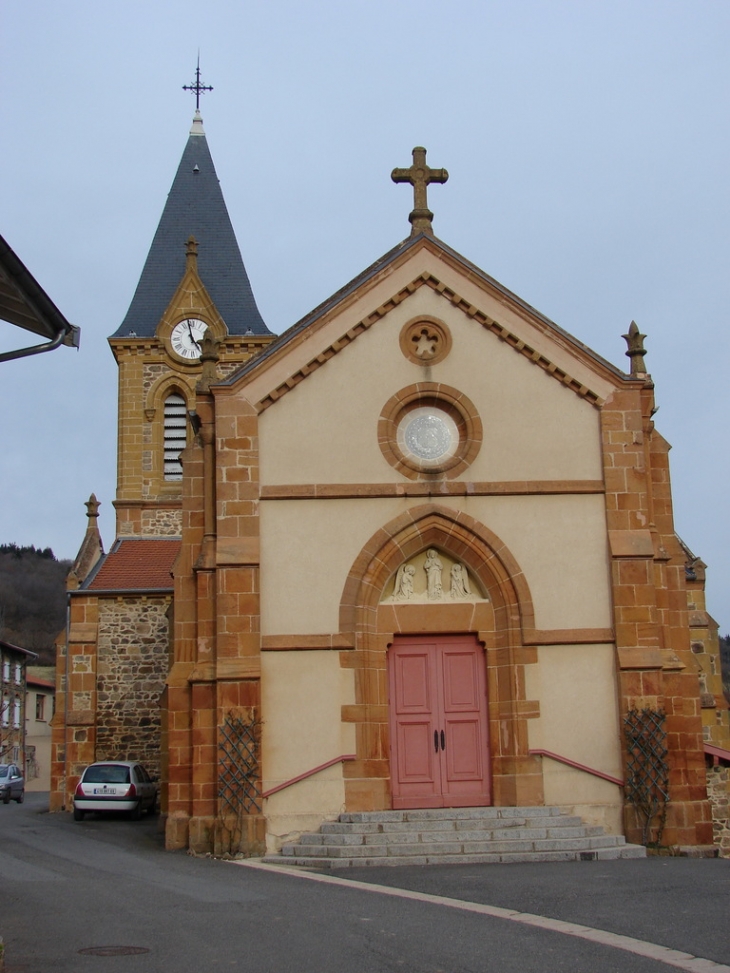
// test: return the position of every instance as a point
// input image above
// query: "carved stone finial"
(92, 506)
(91, 549)
(191, 254)
(419, 175)
(209, 358)
(636, 351)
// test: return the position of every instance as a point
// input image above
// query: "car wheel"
(21, 797)
(6, 799)
(78, 814)
(136, 812)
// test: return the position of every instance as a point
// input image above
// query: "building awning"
(24, 303)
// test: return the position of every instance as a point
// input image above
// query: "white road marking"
(663, 954)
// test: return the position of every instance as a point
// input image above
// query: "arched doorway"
(373, 624)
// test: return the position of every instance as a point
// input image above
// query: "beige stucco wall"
(325, 429)
(309, 546)
(302, 696)
(577, 692)
(38, 735)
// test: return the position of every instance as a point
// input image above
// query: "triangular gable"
(322, 315)
(191, 299)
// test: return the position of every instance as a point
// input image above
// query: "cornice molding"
(466, 307)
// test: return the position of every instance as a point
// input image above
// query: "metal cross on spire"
(198, 88)
(419, 175)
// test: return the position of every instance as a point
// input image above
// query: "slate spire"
(195, 207)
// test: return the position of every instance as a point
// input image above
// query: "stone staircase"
(457, 836)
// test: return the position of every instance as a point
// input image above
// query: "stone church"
(416, 552)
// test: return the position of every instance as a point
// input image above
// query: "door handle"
(436, 741)
(443, 740)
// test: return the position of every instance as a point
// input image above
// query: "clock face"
(187, 338)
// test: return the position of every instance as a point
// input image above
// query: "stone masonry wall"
(133, 648)
(162, 522)
(718, 791)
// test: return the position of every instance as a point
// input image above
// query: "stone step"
(598, 854)
(448, 813)
(548, 828)
(452, 834)
(450, 847)
(456, 835)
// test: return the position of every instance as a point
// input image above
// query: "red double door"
(438, 722)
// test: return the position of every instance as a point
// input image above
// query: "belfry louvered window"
(175, 435)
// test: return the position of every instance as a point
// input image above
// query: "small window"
(6, 671)
(40, 707)
(5, 713)
(16, 713)
(18, 672)
(175, 435)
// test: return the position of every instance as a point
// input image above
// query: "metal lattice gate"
(647, 770)
(238, 766)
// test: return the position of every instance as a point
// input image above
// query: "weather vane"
(198, 88)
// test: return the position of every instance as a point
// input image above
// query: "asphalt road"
(107, 885)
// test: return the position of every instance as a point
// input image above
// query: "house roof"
(43, 683)
(135, 564)
(24, 303)
(421, 239)
(9, 647)
(195, 207)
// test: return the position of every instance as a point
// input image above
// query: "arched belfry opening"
(440, 593)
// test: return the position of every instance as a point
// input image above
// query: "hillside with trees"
(32, 598)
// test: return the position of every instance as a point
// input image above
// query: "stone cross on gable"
(419, 175)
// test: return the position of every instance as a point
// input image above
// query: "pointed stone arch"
(498, 623)
(163, 386)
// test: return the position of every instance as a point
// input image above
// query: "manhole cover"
(113, 950)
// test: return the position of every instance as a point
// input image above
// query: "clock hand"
(192, 336)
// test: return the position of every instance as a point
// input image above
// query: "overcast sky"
(588, 152)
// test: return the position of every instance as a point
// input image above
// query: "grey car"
(115, 785)
(12, 784)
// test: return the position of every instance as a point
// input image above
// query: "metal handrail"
(309, 773)
(577, 766)
(718, 754)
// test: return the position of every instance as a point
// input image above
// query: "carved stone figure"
(403, 589)
(433, 568)
(459, 581)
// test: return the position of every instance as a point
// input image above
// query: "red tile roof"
(43, 683)
(137, 565)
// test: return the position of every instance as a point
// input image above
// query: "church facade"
(416, 552)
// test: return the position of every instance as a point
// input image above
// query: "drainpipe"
(34, 349)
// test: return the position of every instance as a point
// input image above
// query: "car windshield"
(4, 771)
(107, 774)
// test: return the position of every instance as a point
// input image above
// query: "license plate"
(105, 790)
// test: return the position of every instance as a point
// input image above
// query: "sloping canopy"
(24, 303)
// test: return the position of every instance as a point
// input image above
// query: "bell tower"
(193, 283)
